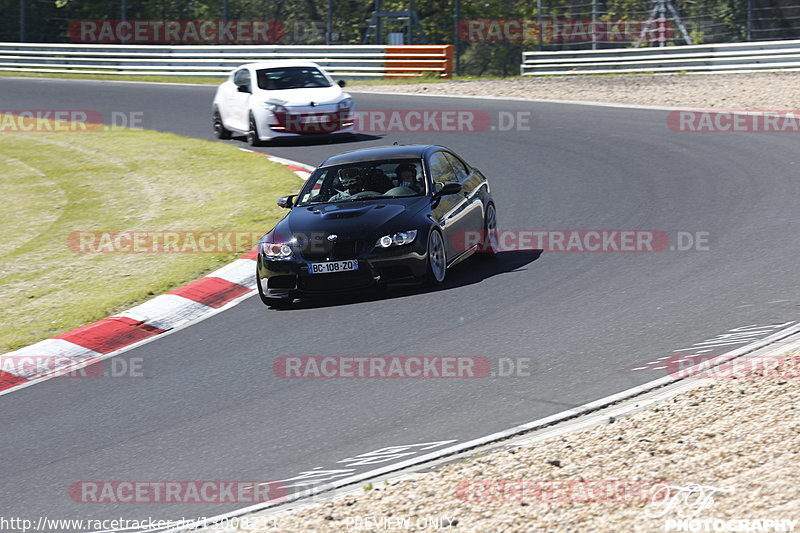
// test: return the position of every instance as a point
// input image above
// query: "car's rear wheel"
(437, 258)
(220, 131)
(252, 133)
(490, 245)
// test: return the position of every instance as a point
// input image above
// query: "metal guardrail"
(219, 60)
(737, 57)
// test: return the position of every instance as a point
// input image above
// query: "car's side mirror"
(243, 88)
(286, 201)
(341, 83)
(447, 189)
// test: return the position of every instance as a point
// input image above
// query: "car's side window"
(458, 167)
(441, 169)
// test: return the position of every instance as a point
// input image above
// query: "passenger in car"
(407, 176)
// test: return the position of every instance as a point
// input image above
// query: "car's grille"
(345, 250)
(323, 251)
(334, 282)
(316, 253)
(317, 248)
(309, 122)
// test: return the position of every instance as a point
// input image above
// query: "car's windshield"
(276, 79)
(368, 180)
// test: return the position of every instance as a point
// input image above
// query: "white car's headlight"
(275, 108)
(345, 105)
(397, 239)
(276, 250)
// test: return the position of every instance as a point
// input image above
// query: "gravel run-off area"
(758, 91)
(727, 451)
(724, 456)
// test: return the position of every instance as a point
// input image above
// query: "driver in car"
(351, 179)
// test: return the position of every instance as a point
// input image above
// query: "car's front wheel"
(490, 245)
(220, 131)
(253, 138)
(437, 258)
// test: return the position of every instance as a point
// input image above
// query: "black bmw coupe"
(377, 216)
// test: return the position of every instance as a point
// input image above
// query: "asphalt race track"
(211, 408)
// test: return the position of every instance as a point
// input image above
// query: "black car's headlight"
(397, 239)
(277, 251)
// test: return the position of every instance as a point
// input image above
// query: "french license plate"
(332, 266)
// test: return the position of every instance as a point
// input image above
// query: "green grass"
(57, 183)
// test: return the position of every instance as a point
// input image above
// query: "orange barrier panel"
(417, 60)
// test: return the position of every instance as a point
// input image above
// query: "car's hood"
(303, 97)
(352, 220)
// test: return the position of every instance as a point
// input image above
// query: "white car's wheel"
(252, 133)
(220, 131)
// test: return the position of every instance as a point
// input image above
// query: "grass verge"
(57, 183)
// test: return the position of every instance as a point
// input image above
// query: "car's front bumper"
(279, 279)
(303, 123)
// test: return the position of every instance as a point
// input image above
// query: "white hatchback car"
(281, 98)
